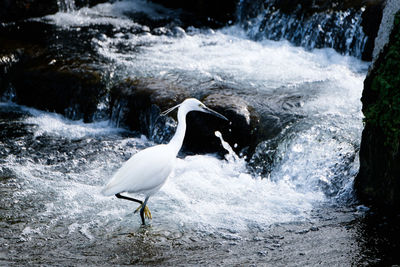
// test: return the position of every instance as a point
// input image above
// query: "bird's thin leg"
(142, 210)
(128, 198)
(142, 207)
(147, 213)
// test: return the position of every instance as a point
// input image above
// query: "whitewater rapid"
(204, 194)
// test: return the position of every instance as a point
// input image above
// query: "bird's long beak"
(209, 110)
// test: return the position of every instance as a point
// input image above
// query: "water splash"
(231, 156)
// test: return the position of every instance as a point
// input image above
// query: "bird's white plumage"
(146, 171)
(139, 175)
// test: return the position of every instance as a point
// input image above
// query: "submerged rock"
(378, 181)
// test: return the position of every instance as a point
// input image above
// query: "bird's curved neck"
(177, 140)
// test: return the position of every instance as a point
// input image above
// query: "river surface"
(211, 211)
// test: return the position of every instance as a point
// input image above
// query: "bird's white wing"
(143, 172)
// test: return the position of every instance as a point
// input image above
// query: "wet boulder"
(7, 60)
(211, 13)
(378, 181)
(68, 88)
(371, 19)
(136, 104)
(240, 132)
(43, 68)
(21, 9)
(82, 3)
(14, 10)
(43, 82)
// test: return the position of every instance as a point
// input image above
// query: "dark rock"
(45, 78)
(16, 44)
(240, 133)
(249, 9)
(59, 87)
(7, 60)
(13, 10)
(378, 181)
(211, 13)
(83, 3)
(136, 104)
(371, 19)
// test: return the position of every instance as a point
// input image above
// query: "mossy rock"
(381, 97)
(378, 181)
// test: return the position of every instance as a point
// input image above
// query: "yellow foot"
(147, 213)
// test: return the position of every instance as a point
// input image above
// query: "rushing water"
(210, 211)
(340, 30)
(52, 171)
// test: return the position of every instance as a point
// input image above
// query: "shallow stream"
(211, 211)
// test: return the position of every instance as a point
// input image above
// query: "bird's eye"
(200, 106)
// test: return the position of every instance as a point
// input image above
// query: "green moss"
(385, 112)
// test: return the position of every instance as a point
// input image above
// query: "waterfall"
(66, 5)
(340, 30)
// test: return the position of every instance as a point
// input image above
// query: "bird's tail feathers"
(107, 191)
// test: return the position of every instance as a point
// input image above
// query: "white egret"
(146, 171)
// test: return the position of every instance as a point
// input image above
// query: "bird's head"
(192, 104)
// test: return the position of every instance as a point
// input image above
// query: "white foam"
(309, 160)
(204, 193)
(210, 194)
(56, 125)
(228, 56)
